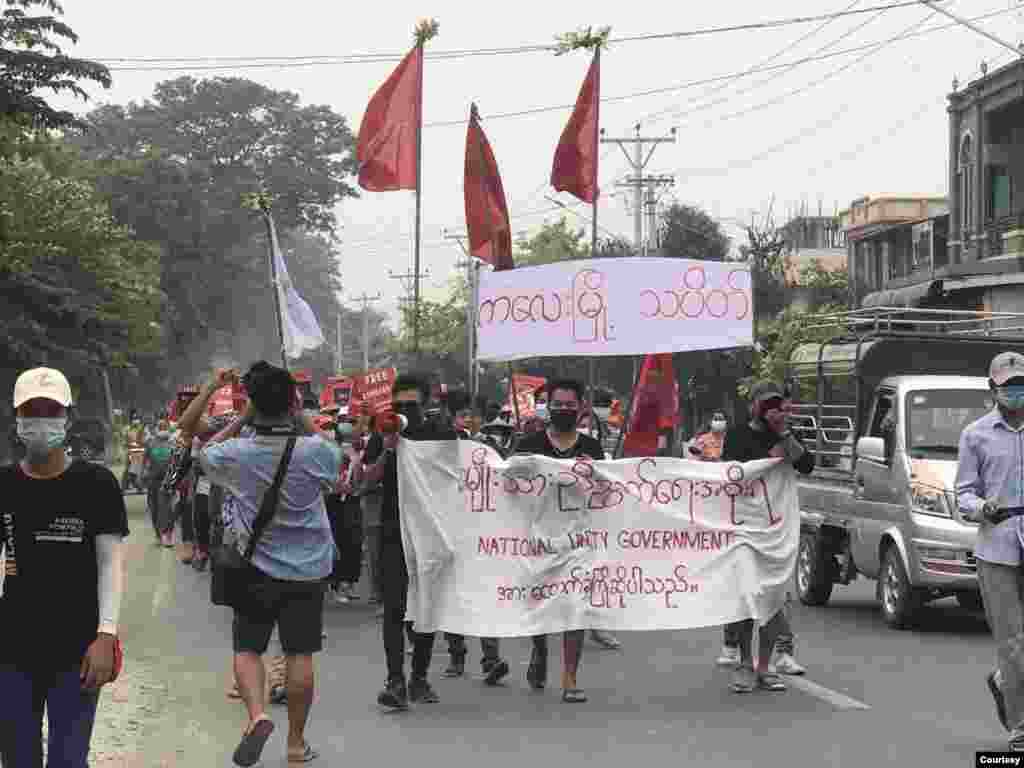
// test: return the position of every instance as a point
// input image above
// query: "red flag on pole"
(575, 167)
(490, 234)
(387, 144)
(657, 395)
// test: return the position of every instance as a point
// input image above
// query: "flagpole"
(593, 235)
(273, 284)
(419, 207)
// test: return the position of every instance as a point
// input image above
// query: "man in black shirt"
(561, 440)
(765, 436)
(408, 394)
(61, 530)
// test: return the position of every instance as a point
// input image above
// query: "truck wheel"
(813, 579)
(970, 601)
(901, 602)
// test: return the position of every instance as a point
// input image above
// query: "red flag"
(388, 135)
(490, 234)
(575, 166)
(656, 402)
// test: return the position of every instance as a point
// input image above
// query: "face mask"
(718, 426)
(413, 412)
(542, 410)
(564, 421)
(1011, 398)
(42, 435)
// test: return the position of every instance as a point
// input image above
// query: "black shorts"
(296, 607)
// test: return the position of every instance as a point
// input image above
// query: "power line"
(373, 58)
(676, 110)
(722, 78)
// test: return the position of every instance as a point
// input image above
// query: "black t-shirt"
(49, 613)
(389, 483)
(539, 443)
(744, 443)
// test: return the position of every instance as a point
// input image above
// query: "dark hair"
(412, 381)
(573, 385)
(458, 400)
(271, 389)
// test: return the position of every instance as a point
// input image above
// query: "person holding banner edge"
(765, 436)
(409, 393)
(561, 440)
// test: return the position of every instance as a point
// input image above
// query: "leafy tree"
(176, 169)
(687, 232)
(31, 60)
(831, 286)
(554, 242)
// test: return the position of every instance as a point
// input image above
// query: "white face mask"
(718, 426)
(42, 435)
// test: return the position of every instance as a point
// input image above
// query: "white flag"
(298, 323)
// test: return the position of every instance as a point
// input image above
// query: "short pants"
(296, 607)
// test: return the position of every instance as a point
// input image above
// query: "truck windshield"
(938, 416)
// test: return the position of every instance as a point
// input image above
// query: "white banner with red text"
(532, 545)
(632, 306)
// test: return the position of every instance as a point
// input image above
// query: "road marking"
(835, 698)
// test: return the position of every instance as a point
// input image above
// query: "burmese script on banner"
(629, 306)
(532, 545)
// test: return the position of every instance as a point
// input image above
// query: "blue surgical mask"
(41, 436)
(1011, 398)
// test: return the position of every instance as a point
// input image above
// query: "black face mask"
(413, 413)
(564, 421)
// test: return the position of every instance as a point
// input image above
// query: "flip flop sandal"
(307, 755)
(574, 696)
(251, 747)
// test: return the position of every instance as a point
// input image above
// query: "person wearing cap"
(765, 435)
(51, 543)
(989, 492)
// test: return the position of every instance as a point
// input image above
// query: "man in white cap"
(52, 543)
(989, 492)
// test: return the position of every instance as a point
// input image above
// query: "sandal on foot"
(251, 747)
(743, 680)
(306, 755)
(769, 681)
(574, 696)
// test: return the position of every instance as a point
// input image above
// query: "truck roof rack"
(859, 323)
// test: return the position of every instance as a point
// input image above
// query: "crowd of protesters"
(308, 503)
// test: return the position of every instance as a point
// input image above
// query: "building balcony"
(1000, 237)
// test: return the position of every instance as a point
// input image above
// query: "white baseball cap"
(48, 383)
(1006, 366)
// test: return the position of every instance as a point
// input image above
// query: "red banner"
(372, 391)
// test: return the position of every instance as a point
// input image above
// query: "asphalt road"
(872, 695)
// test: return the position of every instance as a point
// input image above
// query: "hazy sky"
(878, 126)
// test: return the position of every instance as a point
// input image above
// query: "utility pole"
(638, 181)
(411, 284)
(472, 275)
(339, 362)
(366, 301)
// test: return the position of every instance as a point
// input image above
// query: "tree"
(687, 232)
(831, 286)
(32, 61)
(554, 242)
(176, 169)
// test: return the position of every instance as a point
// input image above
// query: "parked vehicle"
(882, 406)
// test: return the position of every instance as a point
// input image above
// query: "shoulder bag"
(229, 567)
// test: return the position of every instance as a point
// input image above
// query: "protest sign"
(372, 391)
(525, 388)
(532, 545)
(613, 307)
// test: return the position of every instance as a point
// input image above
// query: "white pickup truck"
(882, 405)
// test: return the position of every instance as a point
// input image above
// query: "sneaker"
(785, 664)
(744, 679)
(495, 671)
(394, 696)
(456, 667)
(730, 656)
(769, 681)
(605, 639)
(420, 690)
(339, 597)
